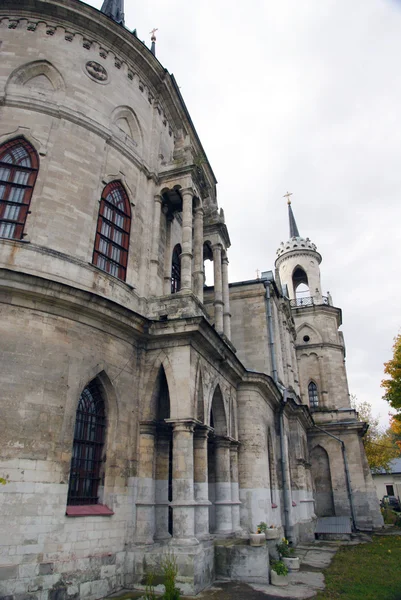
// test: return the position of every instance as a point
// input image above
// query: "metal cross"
(153, 33)
(287, 195)
(257, 273)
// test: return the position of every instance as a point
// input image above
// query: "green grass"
(365, 572)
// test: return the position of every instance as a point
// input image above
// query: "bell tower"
(319, 343)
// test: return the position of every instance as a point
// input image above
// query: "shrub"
(284, 549)
(279, 567)
(170, 570)
(261, 528)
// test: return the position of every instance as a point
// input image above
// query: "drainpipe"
(284, 458)
(347, 475)
(270, 330)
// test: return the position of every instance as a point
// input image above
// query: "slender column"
(223, 486)
(162, 467)
(201, 483)
(145, 506)
(167, 257)
(226, 298)
(183, 483)
(198, 253)
(186, 255)
(235, 511)
(154, 260)
(218, 292)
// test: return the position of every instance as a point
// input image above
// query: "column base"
(191, 541)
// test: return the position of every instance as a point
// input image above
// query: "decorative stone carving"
(96, 71)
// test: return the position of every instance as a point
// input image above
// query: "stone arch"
(218, 414)
(148, 406)
(300, 283)
(127, 121)
(38, 73)
(322, 482)
(312, 332)
(199, 404)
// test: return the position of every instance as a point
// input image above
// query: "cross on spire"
(287, 195)
(293, 225)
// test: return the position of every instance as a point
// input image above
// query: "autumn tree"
(392, 385)
(380, 444)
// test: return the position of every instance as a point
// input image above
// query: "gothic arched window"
(176, 270)
(19, 165)
(313, 395)
(113, 231)
(87, 452)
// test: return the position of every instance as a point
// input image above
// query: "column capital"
(222, 442)
(224, 259)
(182, 424)
(234, 445)
(202, 431)
(199, 210)
(187, 191)
(217, 246)
(158, 198)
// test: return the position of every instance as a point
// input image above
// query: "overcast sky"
(305, 96)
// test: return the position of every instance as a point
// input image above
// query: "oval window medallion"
(96, 71)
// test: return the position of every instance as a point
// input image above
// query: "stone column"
(218, 291)
(183, 483)
(145, 505)
(235, 510)
(162, 468)
(226, 298)
(223, 485)
(167, 257)
(186, 255)
(199, 276)
(154, 259)
(201, 483)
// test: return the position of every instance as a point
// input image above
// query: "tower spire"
(114, 9)
(153, 40)
(293, 225)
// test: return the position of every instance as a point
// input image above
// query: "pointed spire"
(293, 225)
(153, 39)
(114, 9)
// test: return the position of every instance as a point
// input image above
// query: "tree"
(392, 385)
(380, 444)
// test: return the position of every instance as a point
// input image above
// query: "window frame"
(10, 184)
(106, 245)
(313, 395)
(85, 479)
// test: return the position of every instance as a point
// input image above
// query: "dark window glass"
(176, 270)
(87, 450)
(313, 395)
(113, 231)
(390, 490)
(18, 171)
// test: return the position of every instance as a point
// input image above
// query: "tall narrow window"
(313, 395)
(87, 450)
(176, 270)
(113, 231)
(19, 165)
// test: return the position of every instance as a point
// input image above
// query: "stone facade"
(207, 424)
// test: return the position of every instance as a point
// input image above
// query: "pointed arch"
(25, 74)
(127, 121)
(306, 329)
(322, 482)
(113, 230)
(199, 397)
(176, 269)
(149, 406)
(300, 283)
(218, 415)
(19, 166)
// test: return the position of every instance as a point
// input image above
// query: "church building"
(142, 412)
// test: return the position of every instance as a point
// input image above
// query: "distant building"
(389, 483)
(141, 411)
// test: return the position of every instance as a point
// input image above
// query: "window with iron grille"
(313, 395)
(19, 165)
(87, 452)
(113, 231)
(176, 270)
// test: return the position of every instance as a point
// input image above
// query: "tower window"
(87, 450)
(113, 231)
(176, 270)
(306, 338)
(19, 165)
(313, 395)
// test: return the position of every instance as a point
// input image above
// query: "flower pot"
(271, 534)
(292, 563)
(279, 580)
(257, 539)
